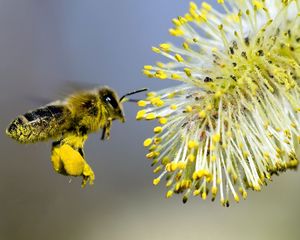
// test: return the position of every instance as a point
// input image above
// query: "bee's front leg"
(106, 130)
(68, 161)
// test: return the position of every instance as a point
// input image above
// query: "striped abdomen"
(40, 124)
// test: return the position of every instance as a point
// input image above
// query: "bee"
(68, 123)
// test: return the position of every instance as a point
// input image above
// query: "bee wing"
(69, 87)
(40, 101)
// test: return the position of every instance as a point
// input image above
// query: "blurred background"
(46, 43)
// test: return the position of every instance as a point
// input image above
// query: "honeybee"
(68, 123)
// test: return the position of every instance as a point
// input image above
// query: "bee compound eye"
(109, 99)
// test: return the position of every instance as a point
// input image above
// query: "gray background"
(46, 43)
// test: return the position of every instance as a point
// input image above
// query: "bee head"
(111, 102)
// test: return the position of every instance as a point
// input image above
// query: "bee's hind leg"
(87, 173)
(69, 161)
(56, 159)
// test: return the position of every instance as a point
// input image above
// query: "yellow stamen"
(147, 142)
(156, 181)
(150, 116)
(142, 103)
(158, 129)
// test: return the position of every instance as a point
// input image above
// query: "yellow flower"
(234, 121)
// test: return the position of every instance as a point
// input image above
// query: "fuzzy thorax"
(235, 119)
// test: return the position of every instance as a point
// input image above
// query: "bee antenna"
(134, 92)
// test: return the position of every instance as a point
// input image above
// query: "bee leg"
(103, 133)
(55, 158)
(87, 174)
(106, 130)
(68, 161)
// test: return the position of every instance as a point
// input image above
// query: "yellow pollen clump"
(158, 129)
(171, 95)
(171, 167)
(191, 157)
(150, 116)
(203, 17)
(185, 184)
(257, 187)
(188, 17)
(165, 47)
(152, 148)
(266, 155)
(169, 183)
(244, 194)
(147, 142)
(160, 64)
(194, 13)
(236, 198)
(176, 22)
(179, 58)
(155, 49)
(186, 46)
(140, 114)
(158, 169)
(156, 101)
(148, 67)
(188, 108)
(229, 134)
(218, 94)
(188, 72)
(206, 6)
(235, 18)
(173, 107)
(157, 140)
(209, 107)
(161, 74)
(181, 165)
(193, 6)
(202, 114)
(156, 181)
(205, 173)
(257, 4)
(196, 192)
(176, 32)
(246, 154)
(216, 138)
(165, 160)
(212, 147)
(147, 73)
(195, 175)
(214, 191)
(192, 144)
(169, 194)
(176, 76)
(150, 155)
(142, 103)
(163, 120)
(151, 94)
(182, 20)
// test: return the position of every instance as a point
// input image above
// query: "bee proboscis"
(68, 124)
